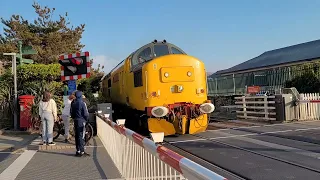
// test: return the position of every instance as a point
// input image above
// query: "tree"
(305, 83)
(49, 37)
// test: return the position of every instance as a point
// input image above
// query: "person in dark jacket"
(79, 114)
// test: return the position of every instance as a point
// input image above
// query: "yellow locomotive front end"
(159, 88)
(175, 95)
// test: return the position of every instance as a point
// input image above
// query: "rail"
(260, 107)
(138, 157)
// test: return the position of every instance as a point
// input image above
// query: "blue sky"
(220, 33)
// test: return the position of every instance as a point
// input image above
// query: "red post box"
(25, 102)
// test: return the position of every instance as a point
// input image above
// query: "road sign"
(75, 66)
(72, 86)
(26, 50)
(253, 89)
(27, 61)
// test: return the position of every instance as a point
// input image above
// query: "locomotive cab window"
(143, 56)
(175, 51)
(160, 50)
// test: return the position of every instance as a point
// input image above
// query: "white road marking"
(16, 167)
(266, 125)
(245, 135)
(265, 133)
(172, 142)
(282, 147)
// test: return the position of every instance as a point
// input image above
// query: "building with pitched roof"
(270, 70)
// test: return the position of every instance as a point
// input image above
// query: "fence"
(137, 157)
(260, 107)
(308, 110)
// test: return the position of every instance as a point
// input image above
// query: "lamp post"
(14, 69)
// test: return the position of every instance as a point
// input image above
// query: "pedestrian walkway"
(59, 162)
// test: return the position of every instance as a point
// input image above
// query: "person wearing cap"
(79, 114)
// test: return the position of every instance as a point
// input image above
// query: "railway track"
(225, 172)
(230, 173)
(260, 154)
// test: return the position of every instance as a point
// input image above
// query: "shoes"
(66, 141)
(78, 154)
(42, 143)
(82, 154)
(51, 144)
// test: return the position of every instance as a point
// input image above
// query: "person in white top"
(48, 115)
(66, 116)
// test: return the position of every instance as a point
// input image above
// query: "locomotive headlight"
(189, 73)
(166, 74)
(207, 108)
(159, 111)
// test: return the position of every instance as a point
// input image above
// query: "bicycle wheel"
(89, 133)
(56, 130)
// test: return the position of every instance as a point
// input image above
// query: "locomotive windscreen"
(161, 50)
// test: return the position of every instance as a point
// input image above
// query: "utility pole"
(15, 100)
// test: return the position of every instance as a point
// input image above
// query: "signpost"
(25, 50)
(15, 99)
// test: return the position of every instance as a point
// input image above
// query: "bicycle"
(58, 129)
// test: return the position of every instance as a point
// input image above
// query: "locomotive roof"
(155, 42)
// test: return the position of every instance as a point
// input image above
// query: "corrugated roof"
(300, 52)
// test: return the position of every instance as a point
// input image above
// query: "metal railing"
(138, 157)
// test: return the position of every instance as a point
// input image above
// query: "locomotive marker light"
(159, 111)
(157, 137)
(166, 74)
(206, 108)
(189, 73)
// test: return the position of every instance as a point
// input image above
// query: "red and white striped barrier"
(184, 166)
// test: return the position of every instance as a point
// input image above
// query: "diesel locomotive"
(159, 88)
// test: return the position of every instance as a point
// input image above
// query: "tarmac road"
(258, 152)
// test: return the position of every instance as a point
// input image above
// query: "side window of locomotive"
(175, 51)
(161, 50)
(143, 56)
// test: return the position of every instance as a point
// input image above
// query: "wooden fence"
(256, 107)
(308, 111)
(263, 107)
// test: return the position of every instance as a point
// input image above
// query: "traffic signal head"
(75, 66)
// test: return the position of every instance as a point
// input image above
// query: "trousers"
(80, 128)
(47, 126)
(66, 122)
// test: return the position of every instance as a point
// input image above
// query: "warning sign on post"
(253, 89)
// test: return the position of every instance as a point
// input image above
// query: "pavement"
(279, 151)
(57, 162)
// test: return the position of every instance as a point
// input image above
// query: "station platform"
(59, 162)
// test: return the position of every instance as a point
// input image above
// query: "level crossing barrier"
(138, 157)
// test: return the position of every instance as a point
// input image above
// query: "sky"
(219, 33)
